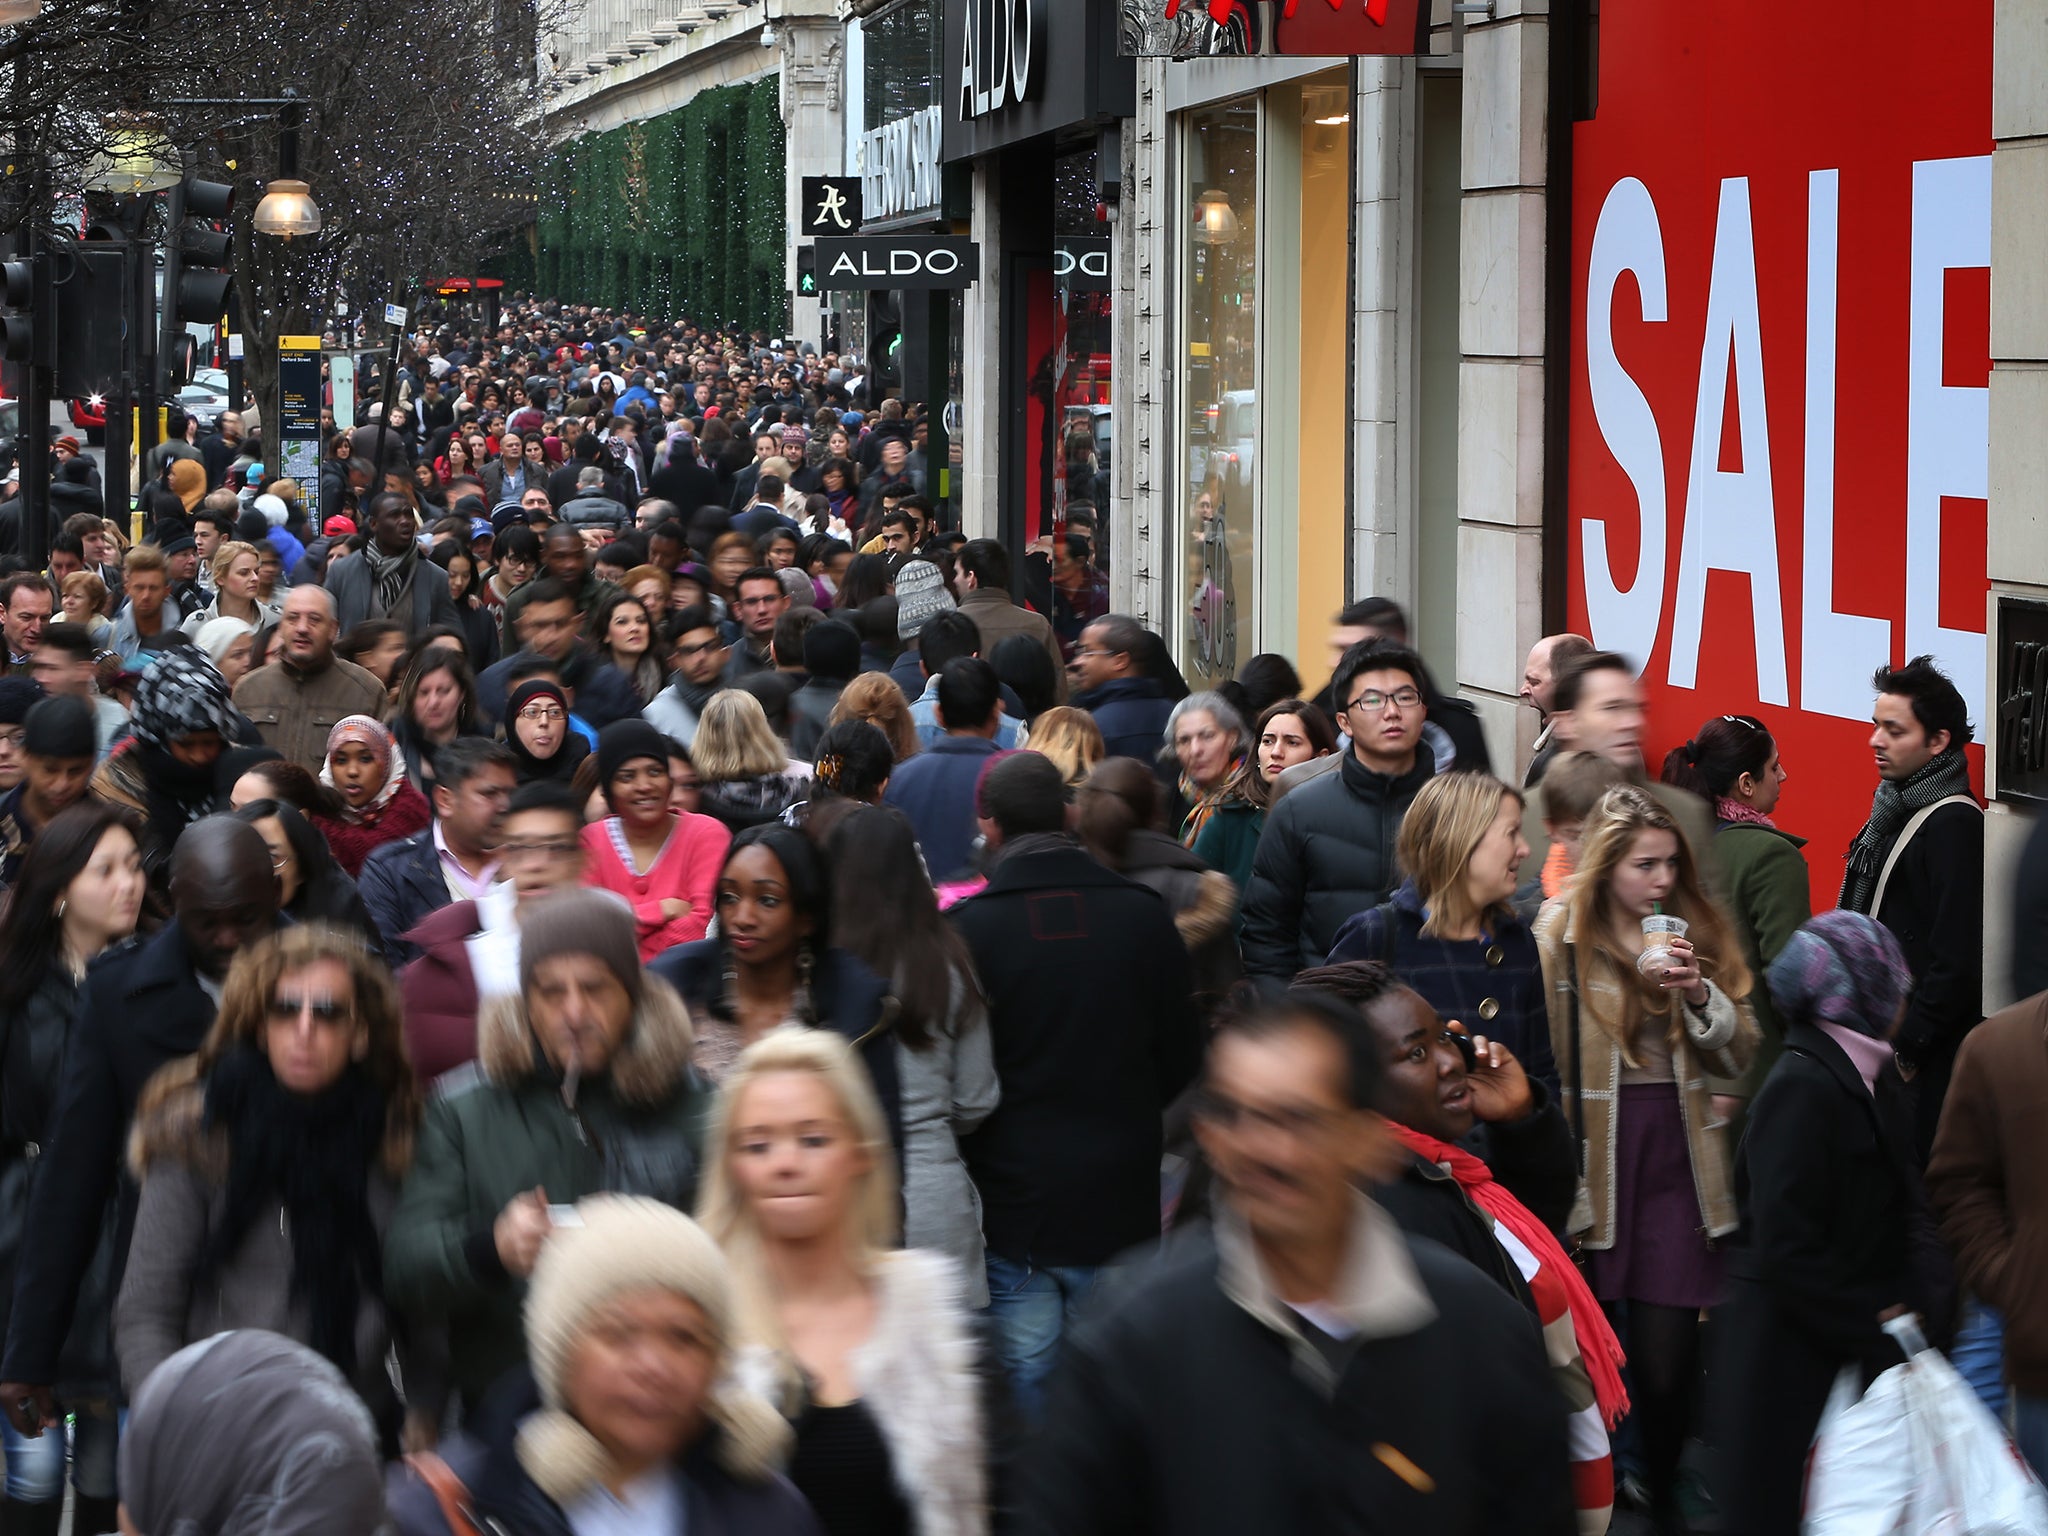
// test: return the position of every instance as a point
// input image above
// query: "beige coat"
(1718, 1040)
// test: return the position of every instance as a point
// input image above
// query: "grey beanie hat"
(581, 922)
(921, 595)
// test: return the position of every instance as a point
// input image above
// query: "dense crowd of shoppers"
(606, 967)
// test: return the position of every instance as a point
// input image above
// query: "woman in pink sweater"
(665, 865)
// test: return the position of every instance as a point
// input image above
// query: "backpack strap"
(448, 1492)
(1899, 846)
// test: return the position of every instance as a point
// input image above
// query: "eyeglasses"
(13, 739)
(541, 714)
(700, 649)
(279, 863)
(1300, 1121)
(285, 1009)
(544, 848)
(1372, 701)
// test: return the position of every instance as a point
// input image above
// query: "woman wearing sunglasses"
(270, 1165)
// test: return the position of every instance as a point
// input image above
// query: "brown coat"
(1719, 1041)
(295, 710)
(1987, 1180)
(998, 618)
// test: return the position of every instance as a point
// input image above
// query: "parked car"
(205, 397)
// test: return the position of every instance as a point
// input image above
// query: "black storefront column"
(927, 342)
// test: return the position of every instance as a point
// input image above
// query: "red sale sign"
(1780, 353)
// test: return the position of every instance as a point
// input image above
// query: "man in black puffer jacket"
(1327, 850)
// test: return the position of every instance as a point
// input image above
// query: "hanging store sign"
(831, 205)
(899, 165)
(1780, 373)
(1014, 70)
(1192, 29)
(899, 261)
(1002, 55)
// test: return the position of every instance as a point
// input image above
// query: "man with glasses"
(1109, 681)
(1387, 1379)
(759, 601)
(700, 657)
(469, 950)
(1327, 850)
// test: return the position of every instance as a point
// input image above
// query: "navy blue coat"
(1131, 714)
(402, 884)
(935, 789)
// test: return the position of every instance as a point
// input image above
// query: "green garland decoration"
(680, 214)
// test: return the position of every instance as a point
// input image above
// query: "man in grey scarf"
(1918, 867)
(387, 578)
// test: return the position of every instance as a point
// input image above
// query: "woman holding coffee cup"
(1648, 997)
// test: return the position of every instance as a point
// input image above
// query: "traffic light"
(807, 271)
(93, 295)
(26, 329)
(198, 271)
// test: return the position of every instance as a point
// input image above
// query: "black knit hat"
(580, 922)
(620, 743)
(60, 726)
(18, 695)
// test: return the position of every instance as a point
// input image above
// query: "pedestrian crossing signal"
(807, 271)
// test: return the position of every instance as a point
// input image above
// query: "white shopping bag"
(1861, 1483)
(1918, 1455)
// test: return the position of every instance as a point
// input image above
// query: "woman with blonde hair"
(1639, 1021)
(1071, 738)
(867, 1349)
(748, 777)
(875, 698)
(1450, 929)
(270, 1164)
(234, 567)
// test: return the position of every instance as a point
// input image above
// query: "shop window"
(1220, 403)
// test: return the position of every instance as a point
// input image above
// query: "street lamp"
(287, 207)
(137, 159)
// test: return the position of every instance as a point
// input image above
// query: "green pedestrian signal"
(807, 271)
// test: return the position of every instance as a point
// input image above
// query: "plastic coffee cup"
(1659, 929)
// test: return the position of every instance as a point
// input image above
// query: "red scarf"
(1598, 1346)
(1740, 813)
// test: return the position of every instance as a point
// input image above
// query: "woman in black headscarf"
(163, 769)
(538, 731)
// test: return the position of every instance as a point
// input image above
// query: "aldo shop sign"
(1012, 70)
(898, 261)
(1780, 368)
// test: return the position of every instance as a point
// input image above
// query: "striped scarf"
(1584, 1354)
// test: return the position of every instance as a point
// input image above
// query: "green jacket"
(1764, 887)
(1229, 838)
(499, 1129)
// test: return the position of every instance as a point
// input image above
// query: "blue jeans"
(1979, 1355)
(35, 1468)
(1030, 1306)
